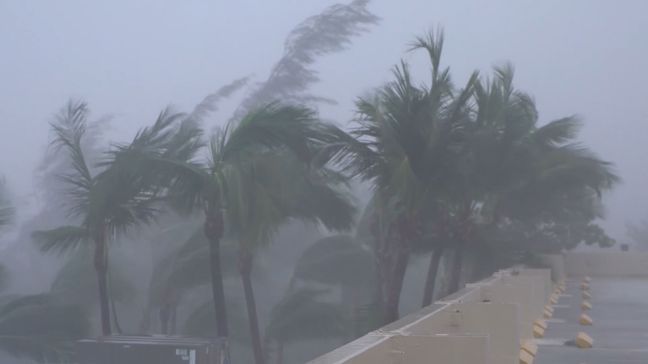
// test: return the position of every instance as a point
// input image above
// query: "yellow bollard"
(547, 314)
(553, 299)
(530, 347)
(525, 358)
(585, 320)
(584, 341)
(540, 322)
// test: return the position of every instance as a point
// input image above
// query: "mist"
(120, 64)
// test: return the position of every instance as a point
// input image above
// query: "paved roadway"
(620, 330)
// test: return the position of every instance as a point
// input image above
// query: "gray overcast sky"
(132, 58)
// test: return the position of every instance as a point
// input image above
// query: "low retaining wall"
(483, 323)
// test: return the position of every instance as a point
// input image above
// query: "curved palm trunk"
(457, 267)
(115, 318)
(393, 283)
(245, 268)
(430, 280)
(214, 227)
(101, 268)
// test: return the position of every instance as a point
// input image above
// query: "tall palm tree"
(405, 145)
(274, 187)
(107, 199)
(235, 187)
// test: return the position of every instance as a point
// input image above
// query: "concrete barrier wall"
(416, 349)
(482, 323)
(486, 321)
(611, 264)
(497, 321)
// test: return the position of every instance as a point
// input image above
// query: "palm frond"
(62, 239)
(273, 126)
(69, 129)
(432, 42)
(210, 103)
(328, 32)
(557, 132)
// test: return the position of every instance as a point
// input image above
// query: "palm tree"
(405, 146)
(237, 188)
(516, 169)
(275, 188)
(107, 199)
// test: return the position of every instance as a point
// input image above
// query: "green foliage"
(62, 239)
(119, 196)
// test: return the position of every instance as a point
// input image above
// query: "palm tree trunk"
(115, 319)
(395, 286)
(113, 306)
(100, 263)
(214, 226)
(245, 268)
(457, 267)
(164, 319)
(430, 280)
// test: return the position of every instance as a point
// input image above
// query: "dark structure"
(152, 350)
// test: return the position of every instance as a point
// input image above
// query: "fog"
(130, 59)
